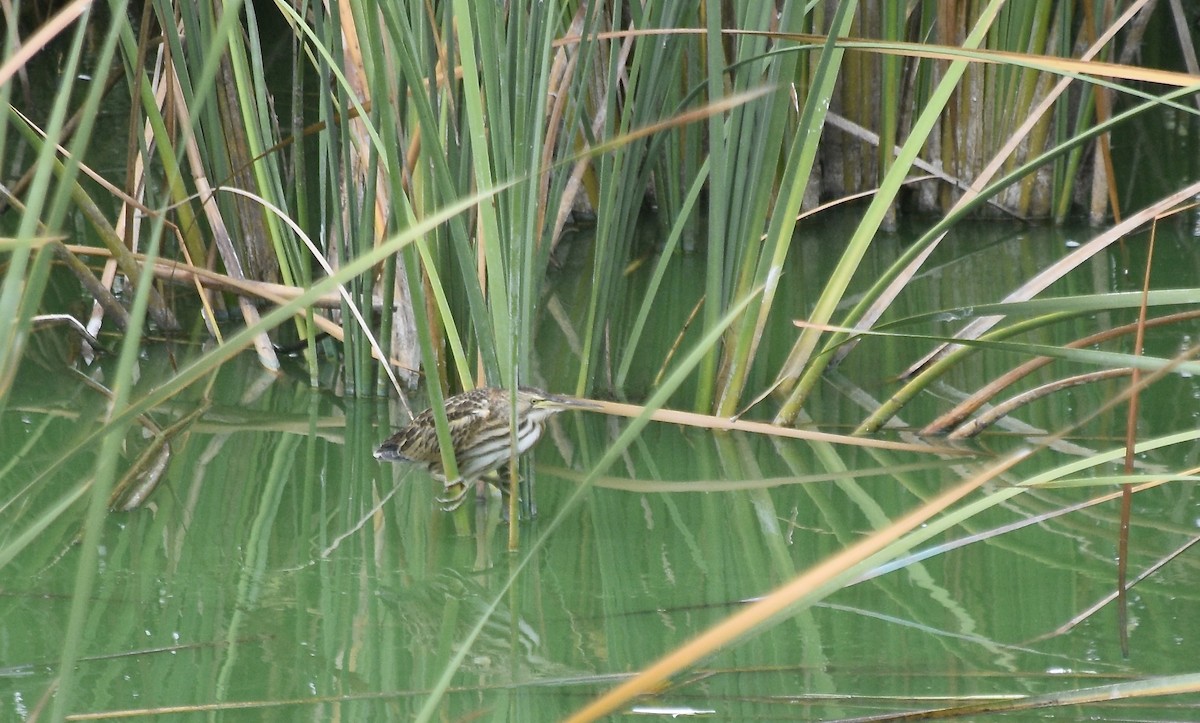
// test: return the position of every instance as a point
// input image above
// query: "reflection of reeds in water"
(752, 159)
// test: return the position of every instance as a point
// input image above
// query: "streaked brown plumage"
(480, 433)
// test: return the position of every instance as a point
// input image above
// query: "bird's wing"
(466, 423)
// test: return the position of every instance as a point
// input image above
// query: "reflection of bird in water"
(480, 424)
(508, 648)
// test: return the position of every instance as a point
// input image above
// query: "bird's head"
(538, 405)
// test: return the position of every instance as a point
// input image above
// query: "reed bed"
(401, 178)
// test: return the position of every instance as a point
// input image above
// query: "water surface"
(280, 572)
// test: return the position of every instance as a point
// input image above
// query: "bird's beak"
(555, 401)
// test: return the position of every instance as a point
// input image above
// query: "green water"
(280, 573)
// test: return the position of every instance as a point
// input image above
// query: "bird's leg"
(498, 478)
(457, 495)
(481, 490)
(495, 479)
(532, 499)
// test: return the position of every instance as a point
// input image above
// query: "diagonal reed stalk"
(430, 152)
(480, 94)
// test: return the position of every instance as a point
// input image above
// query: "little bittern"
(480, 432)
